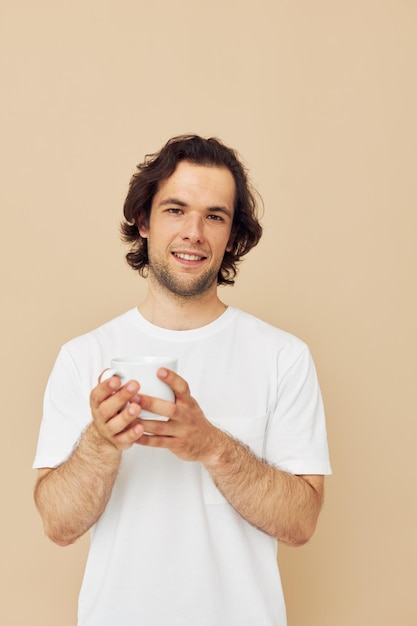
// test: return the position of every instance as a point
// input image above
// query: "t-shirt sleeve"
(66, 413)
(296, 439)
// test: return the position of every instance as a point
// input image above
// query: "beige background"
(320, 99)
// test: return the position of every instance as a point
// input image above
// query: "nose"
(193, 229)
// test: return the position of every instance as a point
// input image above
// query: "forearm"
(278, 503)
(72, 497)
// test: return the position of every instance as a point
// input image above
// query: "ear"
(143, 226)
(231, 241)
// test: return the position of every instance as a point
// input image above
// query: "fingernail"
(163, 372)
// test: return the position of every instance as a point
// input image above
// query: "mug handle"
(109, 372)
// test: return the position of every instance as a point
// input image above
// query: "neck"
(181, 313)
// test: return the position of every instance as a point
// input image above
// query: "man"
(185, 514)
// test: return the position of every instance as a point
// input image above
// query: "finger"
(165, 408)
(154, 441)
(178, 385)
(103, 390)
(122, 421)
(158, 427)
(108, 398)
(129, 436)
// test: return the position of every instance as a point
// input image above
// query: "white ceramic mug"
(143, 369)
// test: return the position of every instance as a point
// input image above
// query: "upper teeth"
(188, 257)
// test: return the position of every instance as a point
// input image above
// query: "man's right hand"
(115, 410)
(72, 496)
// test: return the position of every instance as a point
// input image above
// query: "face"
(189, 228)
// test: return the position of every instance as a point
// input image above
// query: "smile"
(188, 257)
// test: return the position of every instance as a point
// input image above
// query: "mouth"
(185, 256)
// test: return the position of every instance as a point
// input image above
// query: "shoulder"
(106, 333)
(278, 348)
(266, 332)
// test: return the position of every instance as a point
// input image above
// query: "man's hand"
(72, 496)
(280, 504)
(115, 411)
(187, 433)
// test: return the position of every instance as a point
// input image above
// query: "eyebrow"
(212, 209)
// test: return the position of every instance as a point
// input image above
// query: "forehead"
(203, 184)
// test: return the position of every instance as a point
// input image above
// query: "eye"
(214, 217)
(174, 210)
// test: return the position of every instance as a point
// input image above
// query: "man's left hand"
(188, 434)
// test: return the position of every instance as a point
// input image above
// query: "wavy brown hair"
(144, 184)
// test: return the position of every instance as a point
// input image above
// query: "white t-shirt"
(169, 549)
